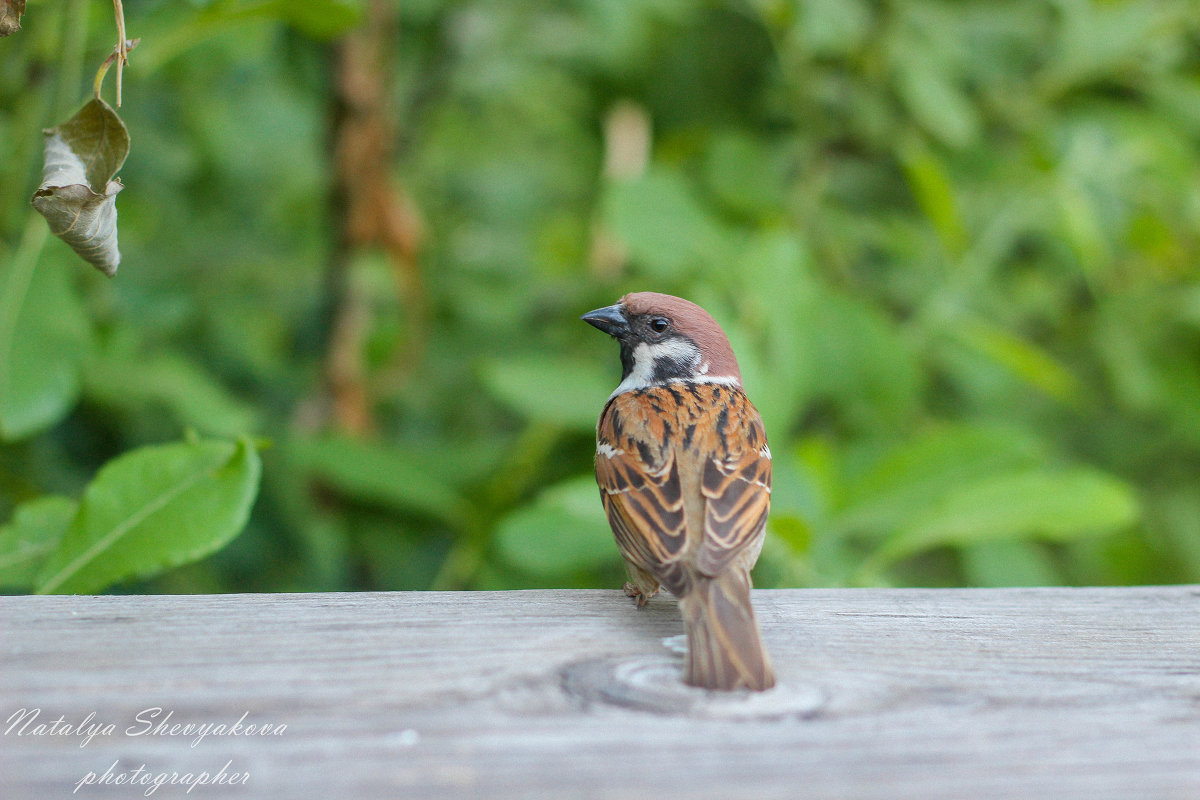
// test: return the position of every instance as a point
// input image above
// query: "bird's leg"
(642, 587)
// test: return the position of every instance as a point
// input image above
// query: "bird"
(684, 472)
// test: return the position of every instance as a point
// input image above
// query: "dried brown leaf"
(78, 192)
(10, 16)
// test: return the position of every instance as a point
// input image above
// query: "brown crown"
(692, 321)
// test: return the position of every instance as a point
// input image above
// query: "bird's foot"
(638, 594)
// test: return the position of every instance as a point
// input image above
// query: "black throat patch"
(669, 368)
(670, 363)
(627, 349)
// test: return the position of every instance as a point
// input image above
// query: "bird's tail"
(725, 650)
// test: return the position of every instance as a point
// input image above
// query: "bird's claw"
(639, 595)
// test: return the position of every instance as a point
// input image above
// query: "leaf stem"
(115, 56)
(123, 47)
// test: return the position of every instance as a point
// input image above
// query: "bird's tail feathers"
(725, 650)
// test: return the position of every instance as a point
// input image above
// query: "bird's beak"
(610, 319)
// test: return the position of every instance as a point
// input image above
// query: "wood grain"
(922, 694)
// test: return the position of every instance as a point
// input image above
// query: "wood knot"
(655, 684)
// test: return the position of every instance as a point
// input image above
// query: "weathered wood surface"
(922, 694)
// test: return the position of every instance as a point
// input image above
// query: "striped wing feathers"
(738, 491)
(662, 450)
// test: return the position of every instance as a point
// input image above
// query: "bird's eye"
(660, 324)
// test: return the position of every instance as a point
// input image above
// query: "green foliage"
(562, 532)
(383, 476)
(44, 335)
(147, 511)
(554, 390)
(33, 534)
(1055, 506)
(954, 245)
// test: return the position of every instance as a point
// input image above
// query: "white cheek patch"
(647, 356)
(679, 352)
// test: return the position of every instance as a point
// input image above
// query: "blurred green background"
(954, 244)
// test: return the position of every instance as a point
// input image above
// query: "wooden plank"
(922, 694)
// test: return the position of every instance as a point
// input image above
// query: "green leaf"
(177, 28)
(1022, 358)
(378, 473)
(772, 259)
(831, 28)
(320, 19)
(1031, 504)
(78, 196)
(32, 534)
(138, 382)
(935, 100)
(153, 509)
(916, 473)
(1008, 563)
(741, 173)
(809, 483)
(1105, 39)
(794, 531)
(563, 531)
(43, 336)
(663, 225)
(860, 361)
(561, 391)
(931, 185)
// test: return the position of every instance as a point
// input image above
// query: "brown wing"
(640, 487)
(736, 483)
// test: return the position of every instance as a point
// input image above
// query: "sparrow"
(685, 478)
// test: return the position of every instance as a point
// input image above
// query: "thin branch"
(115, 56)
(123, 47)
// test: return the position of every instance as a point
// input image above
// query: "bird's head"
(666, 339)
